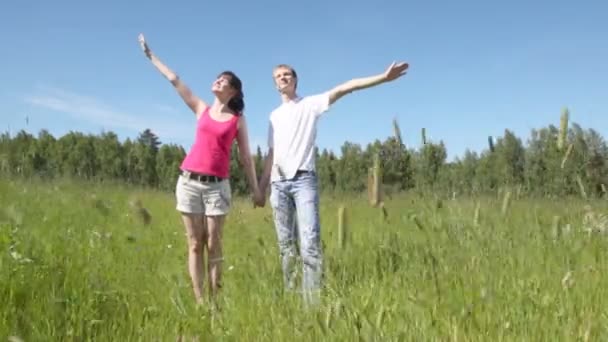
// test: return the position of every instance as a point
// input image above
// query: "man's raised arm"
(393, 72)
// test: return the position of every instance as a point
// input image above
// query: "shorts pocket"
(224, 195)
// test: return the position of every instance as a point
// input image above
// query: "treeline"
(552, 161)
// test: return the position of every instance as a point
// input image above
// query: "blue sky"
(476, 67)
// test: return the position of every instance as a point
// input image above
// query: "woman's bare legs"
(196, 235)
(215, 256)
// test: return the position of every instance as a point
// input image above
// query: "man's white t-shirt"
(292, 134)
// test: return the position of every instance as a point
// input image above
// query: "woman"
(203, 191)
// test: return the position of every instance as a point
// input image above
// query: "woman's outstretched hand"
(144, 46)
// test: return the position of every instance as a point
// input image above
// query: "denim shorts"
(208, 198)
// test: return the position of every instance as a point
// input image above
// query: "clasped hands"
(259, 198)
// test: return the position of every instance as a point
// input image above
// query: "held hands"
(144, 45)
(395, 71)
(259, 200)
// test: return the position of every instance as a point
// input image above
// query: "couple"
(203, 189)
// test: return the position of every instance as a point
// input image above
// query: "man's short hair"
(287, 66)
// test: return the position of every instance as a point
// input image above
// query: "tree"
(258, 160)
(541, 165)
(238, 179)
(466, 172)
(142, 159)
(595, 166)
(168, 160)
(111, 156)
(431, 159)
(149, 139)
(326, 168)
(351, 169)
(44, 163)
(510, 159)
(396, 165)
(542, 170)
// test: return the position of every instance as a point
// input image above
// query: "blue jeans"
(295, 206)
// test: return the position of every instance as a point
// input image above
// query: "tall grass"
(78, 264)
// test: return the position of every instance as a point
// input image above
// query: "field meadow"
(79, 264)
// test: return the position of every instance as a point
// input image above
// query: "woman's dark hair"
(236, 103)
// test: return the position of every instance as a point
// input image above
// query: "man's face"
(284, 80)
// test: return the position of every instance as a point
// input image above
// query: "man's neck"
(285, 97)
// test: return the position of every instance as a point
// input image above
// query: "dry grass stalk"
(476, 215)
(397, 132)
(581, 186)
(556, 227)
(423, 136)
(370, 186)
(563, 129)
(342, 227)
(383, 211)
(567, 280)
(328, 317)
(374, 182)
(593, 222)
(505, 203)
(378, 179)
(567, 154)
(4, 163)
(518, 192)
(380, 317)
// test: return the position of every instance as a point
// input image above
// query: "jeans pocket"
(273, 199)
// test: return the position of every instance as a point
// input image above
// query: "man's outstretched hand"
(394, 71)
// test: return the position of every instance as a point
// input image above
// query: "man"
(290, 167)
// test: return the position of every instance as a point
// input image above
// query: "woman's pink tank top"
(210, 153)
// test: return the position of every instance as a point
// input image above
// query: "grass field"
(78, 265)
